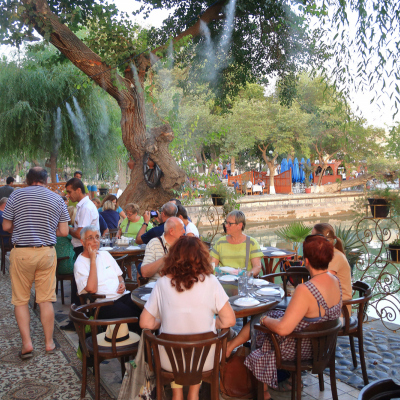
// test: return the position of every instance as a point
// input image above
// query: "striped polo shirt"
(35, 212)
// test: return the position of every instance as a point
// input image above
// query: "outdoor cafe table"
(231, 289)
(273, 254)
(133, 254)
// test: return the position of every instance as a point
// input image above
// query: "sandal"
(286, 386)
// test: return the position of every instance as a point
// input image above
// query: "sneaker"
(69, 327)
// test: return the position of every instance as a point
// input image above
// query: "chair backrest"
(187, 353)
(79, 315)
(121, 263)
(2, 241)
(296, 276)
(384, 389)
(113, 232)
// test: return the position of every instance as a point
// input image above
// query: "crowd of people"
(187, 297)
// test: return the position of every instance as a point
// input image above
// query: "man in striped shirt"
(35, 216)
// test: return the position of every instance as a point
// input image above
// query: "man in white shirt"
(86, 214)
(97, 272)
(190, 227)
(158, 247)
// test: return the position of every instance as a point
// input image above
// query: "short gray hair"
(90, 228)
(3, 200)
(239, 217)
(169, 209)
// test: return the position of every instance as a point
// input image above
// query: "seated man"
(97, 272)
(158, 247)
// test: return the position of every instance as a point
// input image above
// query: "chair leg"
(260, 391)
(3, 261)
(122, 361)
(62, 291)
(353, 351)
(362, 357)
(332, 375)
(84, 376)
(298, 386)
(96, 367)
(321, 382)
(293, 386)
(215, 387)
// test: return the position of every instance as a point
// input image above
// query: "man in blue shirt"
(168, 210)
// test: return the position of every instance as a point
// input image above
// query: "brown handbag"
(236, 378)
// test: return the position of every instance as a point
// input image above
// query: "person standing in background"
(5, 191)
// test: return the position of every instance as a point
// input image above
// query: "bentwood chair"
(62, 277)
(384, 389)
(187, 355)
(79, 315)
(323, 337)
(113, 232)
(353, 326)
(5, 247)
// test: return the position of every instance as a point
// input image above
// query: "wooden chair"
(384, 389)
(121, 263)
(62, 277)
(353, 326)
(265, 190)
(249, 191)
(113, 232)
(323, 337)
(181, 351)
(5, 247)
(79, 315)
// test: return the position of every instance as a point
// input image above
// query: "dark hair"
(318, 250)
(64, 198)
(9, 180)
(177, 202)
(76, 183)
(109, 197)
(188, 262)
(182, 211)
(36, 175)
(78, 172)
(328, 231)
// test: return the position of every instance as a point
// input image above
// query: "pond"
(372, 267)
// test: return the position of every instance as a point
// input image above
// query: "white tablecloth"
(257, 188)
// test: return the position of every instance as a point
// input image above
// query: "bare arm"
(256, 264)
(142, 230)
(147, 321)
(215, 261)
(151, 269)
(226, 317)
(122, 214)
(119, 233)
(75, 232)
(62, 229)
(8, 225)
(92, 282)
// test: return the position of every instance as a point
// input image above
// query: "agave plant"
(351, 244)
(294, 233)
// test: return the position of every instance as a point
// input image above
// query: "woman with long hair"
(187, 299)
(339, 265)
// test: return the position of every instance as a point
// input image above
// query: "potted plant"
(351, 245)
(308, 170)
(394, 249)
(294, 233)
(218, 193)
(381, 201)
(103, 189)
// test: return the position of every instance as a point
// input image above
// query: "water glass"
(250, 280)
(242, 283)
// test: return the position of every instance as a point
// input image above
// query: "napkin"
(106, 248)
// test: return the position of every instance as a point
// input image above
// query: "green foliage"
(351, 243)
(294, 233)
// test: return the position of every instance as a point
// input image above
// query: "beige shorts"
(28, 265)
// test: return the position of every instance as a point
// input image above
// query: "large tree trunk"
(131, 101)
(53, 166)
(337, 187)
(199, 161)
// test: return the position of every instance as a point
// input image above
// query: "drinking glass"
(250, 280)
(242, 283)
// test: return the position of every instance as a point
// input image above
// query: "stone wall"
(285, 207)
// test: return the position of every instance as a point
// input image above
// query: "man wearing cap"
(97, 272)
(35, 216)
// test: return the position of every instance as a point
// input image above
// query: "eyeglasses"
(316, 234)
(97, 237)
(226, 223)
(130, 214)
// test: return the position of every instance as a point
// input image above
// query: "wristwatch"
(145, 223)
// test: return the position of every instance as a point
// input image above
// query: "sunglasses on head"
(316, 234)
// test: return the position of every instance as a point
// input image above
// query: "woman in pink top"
(187, 299)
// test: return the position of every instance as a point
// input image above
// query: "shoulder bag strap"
(162, 244)
(127, 226)
(247, 251)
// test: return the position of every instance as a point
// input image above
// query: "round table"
(270, 257)
(119, 251)
(231, 288)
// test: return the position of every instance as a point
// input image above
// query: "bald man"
(158, 247)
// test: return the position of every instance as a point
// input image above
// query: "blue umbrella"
(302, 175)
(311, 175)
(295, 171)
(284, 165)
(290, 165)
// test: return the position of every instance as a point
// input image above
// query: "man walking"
(5, 191)
(86, 214)
(35, 216)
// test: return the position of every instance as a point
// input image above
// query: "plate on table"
(260, 282)
(134, 248)
(150, 285)
(268, 291)
(278, 253)
(246, 302)
(229, 270)
(145, 297)
(105, 248)
(227, 278)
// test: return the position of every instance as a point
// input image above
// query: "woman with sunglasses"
(231, 250)
(318, 300)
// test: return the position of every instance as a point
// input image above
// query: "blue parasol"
(295, 171)
(290, 165)
(311, 175)
(302, 175)
(284, 165)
